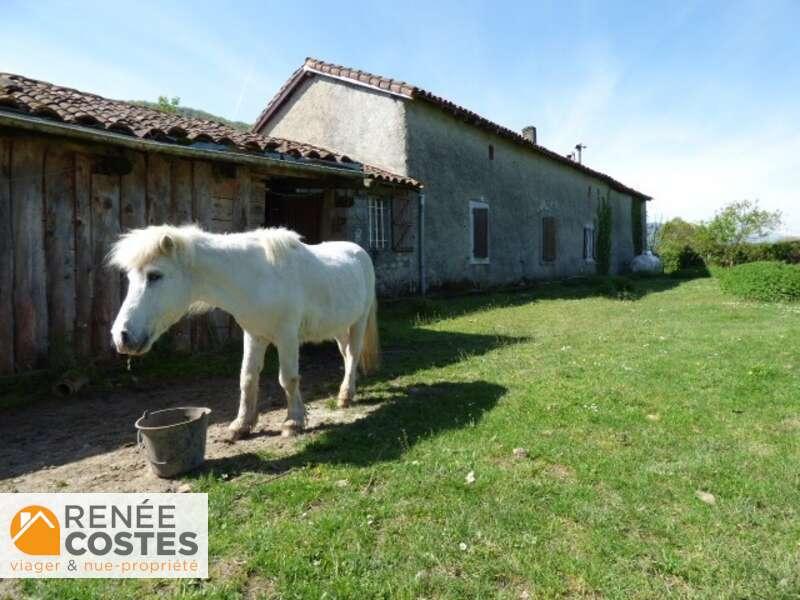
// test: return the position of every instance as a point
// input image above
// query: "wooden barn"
(77, 169)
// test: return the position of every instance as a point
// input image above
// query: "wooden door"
(301, 213)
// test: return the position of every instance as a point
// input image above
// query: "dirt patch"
(89, 444)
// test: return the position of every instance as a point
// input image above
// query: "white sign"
(103, 535)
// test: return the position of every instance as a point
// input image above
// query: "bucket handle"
(140, 441)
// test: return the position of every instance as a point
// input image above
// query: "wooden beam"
(105, 231)
(59, 180)
(30, 275)
(84, 256)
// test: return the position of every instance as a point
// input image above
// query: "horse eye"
(153, 276)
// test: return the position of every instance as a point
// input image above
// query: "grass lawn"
(629, 412)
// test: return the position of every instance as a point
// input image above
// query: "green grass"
(627, 408)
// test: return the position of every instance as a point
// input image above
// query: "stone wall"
(452, 158)
(345, 118)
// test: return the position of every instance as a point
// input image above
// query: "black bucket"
(174, 439)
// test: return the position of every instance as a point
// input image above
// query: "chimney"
(529, 133)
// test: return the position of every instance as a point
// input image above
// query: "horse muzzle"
(127, 343)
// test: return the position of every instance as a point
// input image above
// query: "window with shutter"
(588, 243)
(479, 219)
(403, 238)
(549, 239)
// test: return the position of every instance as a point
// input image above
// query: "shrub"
(765, 281)
(604, 226)
(637, 231)
(676, 244)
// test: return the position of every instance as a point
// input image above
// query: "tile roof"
(41, 99)
(401, 88)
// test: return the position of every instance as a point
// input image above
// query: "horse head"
(156, 260)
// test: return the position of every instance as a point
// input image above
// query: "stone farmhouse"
(441, 197)
(497, 207)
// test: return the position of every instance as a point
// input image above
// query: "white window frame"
(377, 210)
(472, 205)
(589, 258)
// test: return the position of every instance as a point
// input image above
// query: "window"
(479, 225)
(589, 246)
(377, 223)
(403, 213)
(491, 152)
(548, 239)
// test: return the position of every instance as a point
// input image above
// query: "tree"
(168, 105)
(724, 238)
(676, 242)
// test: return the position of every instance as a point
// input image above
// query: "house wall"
(62, 204)
(452, 159)
(365, 125)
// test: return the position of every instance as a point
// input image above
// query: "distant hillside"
(194, 113)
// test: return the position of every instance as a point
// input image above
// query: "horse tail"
(370, 359)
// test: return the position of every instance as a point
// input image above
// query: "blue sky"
(695, 103)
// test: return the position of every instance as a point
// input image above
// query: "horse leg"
(343, 399)
(252, 363)
(289, 378)
(352, 353)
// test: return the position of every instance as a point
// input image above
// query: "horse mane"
(140, 247)
(278, 242)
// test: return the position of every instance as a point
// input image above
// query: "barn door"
(301, 212)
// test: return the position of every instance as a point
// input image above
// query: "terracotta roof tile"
(313, 65)
(42, 99)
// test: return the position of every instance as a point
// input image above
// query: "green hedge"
(763, 281)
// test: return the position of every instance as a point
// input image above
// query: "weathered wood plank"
(105, 230)
(159, 183)
(133, 202)
(6, 261)
(30, 276)
(180, 214)
(202, 182)
(256, 206)
(241, 200)
(84, 255)
(60, 251)
(226, 215)
(181, 205)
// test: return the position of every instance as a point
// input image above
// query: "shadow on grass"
(411, 415)
(55, 431)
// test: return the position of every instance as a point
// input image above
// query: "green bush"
(765, 281)
(604, 228)
(676, 244)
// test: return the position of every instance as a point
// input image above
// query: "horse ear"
(167, 244)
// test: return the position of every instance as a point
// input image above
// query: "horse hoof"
(343, 401)
(291, 428)
(237, 431)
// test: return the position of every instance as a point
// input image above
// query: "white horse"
(280, 291)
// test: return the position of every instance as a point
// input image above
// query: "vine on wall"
(636, 226)
(604, 237)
